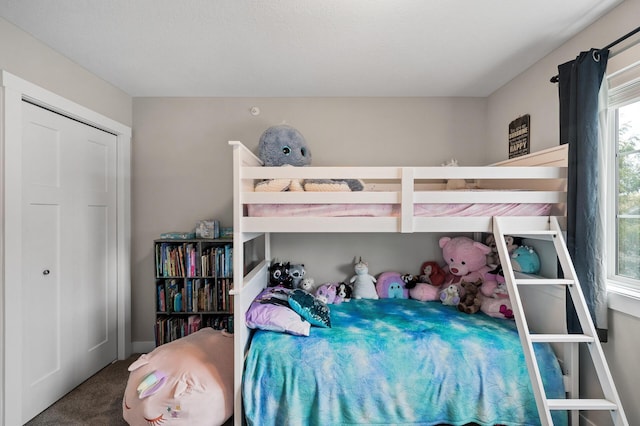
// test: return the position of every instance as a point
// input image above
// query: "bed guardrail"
(513, 181)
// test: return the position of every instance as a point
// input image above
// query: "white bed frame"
(515, 181)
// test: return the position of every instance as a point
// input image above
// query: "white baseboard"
(143, 347)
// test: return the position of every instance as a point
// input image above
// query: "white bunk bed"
(537, 180)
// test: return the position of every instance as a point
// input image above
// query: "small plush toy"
(296, 272)
(279, 275)
(496, 303)
(410, 280)
(449, 296)
(432, 273)
(512, 243)
(453, 184)
(283, 145)
(497, 307)
(345, 291)
(525, 259)
(418, 290)
(472, 299)
(328, 293)
(465, 259)
(308, 284)
(364, 285)
(492, 257)
(501, 291)
(390, 285)
(495, 279)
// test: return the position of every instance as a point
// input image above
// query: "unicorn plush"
(364, 285)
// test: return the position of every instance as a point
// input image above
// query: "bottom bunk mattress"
(396, 361)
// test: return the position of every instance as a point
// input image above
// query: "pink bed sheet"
(393, 210)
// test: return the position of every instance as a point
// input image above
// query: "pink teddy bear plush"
(466, 260)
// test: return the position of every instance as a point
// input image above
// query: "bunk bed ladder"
(551, 231)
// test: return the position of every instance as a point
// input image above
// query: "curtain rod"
(554, 79)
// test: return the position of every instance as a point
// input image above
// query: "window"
(624, 185)
(628, 191)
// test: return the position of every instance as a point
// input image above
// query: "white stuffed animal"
(364, 285)
(449, 296)
(454, 183)
(308, 284)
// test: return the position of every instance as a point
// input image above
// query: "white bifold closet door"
(69, 255)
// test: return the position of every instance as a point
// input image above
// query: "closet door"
(69, 255)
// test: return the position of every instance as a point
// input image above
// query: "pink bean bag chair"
(186, 382)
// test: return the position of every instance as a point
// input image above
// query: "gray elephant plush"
(283, 145)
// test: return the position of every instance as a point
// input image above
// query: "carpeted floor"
(96, 402)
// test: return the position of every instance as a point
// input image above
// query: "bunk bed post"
(247, 282)
(407, 188)
(267, 246)
(238, 268)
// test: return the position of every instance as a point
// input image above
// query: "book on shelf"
(189, 296)
(170, 294)
(177, 302)
(193, 323)
(228, 252)
(192, 265)
(158, 254)
(180, 262)
(162, 301)
(195, 295)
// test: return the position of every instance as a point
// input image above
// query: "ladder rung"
(543, 281)
(561, 338)
(535, 232)
(581, 404)
(548, 234)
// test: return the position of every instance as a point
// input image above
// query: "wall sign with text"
(519, 136)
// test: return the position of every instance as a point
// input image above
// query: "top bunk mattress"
(394, 210)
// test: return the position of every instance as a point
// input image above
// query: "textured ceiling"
(241, 48)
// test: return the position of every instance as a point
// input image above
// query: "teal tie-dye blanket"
(393, 361)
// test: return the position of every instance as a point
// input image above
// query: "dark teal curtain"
(579, 83)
